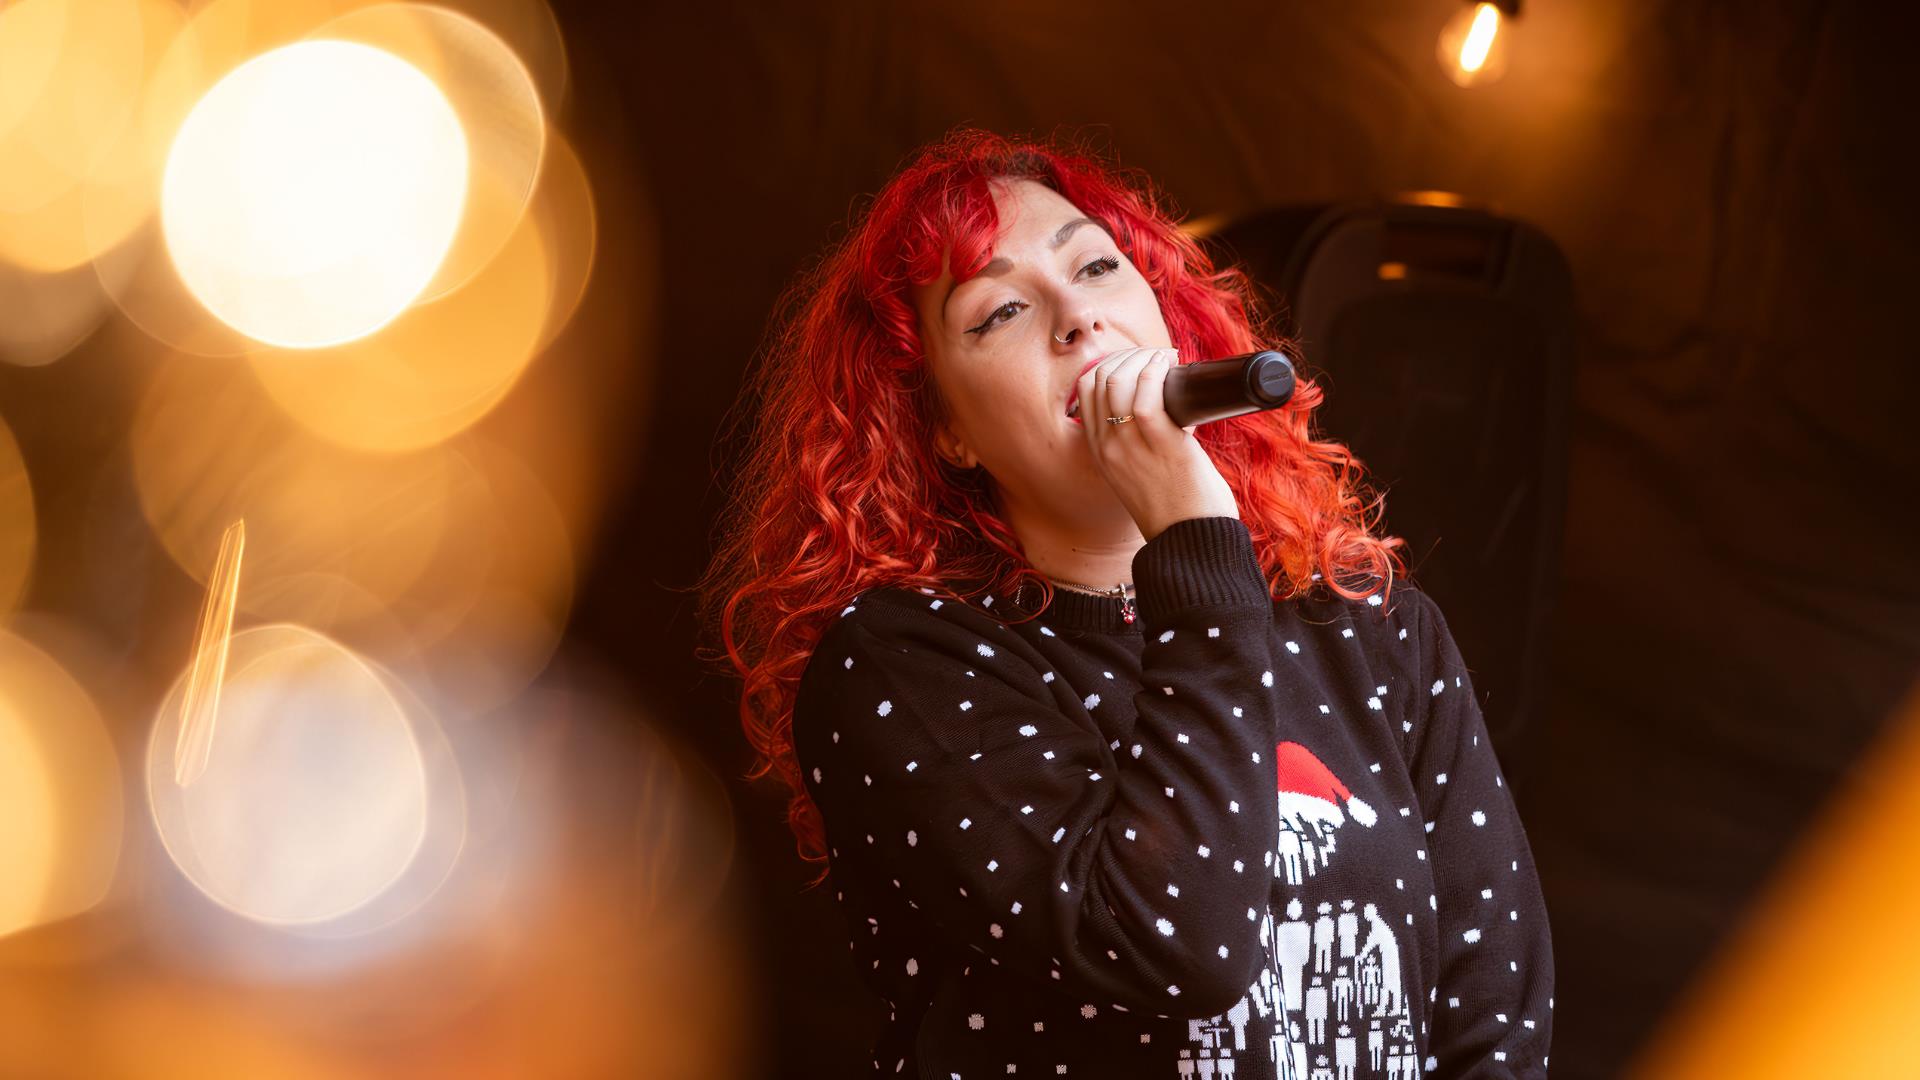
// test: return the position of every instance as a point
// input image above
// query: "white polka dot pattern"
(1091, 797)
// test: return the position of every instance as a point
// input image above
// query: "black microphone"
(1209, 390)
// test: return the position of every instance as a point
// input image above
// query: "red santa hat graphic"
(1314, 805)
(1309, 790)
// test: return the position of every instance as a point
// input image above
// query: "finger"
(1123, 382)
(1094, 388)
(1149, 400)
(1090, 402)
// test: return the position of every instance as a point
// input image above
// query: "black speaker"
(1443, 335)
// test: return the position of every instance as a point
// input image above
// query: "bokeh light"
(49, 313)
(60, 784)
(385, 837)
(564, 212)
(1474, 45)
(433, 371)
(487, 618)
(454, 558)
(210, 449)
(493, 94)
(200, 699)
(313, 799)
(18, 528)
(26, 822)
(78, 125)
(313, 193)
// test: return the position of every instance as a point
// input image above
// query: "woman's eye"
(1106, 264)
(993, 318)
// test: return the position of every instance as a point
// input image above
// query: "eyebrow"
(1000, 264)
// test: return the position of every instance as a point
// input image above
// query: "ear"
(954, 450)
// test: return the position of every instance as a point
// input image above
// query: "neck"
(1094, 554)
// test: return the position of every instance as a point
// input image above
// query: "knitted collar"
(1081, 612)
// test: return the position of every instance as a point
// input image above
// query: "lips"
(1073, 392)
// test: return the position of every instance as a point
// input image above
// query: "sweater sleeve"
(967, 771)
(1493, 1014)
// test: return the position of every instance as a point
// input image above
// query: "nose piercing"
(1065, 340)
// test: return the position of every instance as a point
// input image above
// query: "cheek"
(1144, 305)
(977, 400)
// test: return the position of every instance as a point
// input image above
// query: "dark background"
(1739, 605)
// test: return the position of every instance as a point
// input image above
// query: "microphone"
(1209, 390)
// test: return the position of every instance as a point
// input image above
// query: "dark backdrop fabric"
(1740, 601)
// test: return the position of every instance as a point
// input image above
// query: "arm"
(1493, 1015)
(950, 755)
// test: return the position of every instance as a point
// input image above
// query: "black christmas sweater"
(1237, 837)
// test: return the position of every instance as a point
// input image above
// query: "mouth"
(1073, 392)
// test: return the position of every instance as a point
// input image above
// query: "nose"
(1075, 327)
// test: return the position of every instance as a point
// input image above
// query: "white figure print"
(1346, 995)
(1211, 1055)
(1344, 1055)
(1403, 1031)
(1304, 844)
(1215, 1058)
(1293, 855)
(1349, 929)
(1382, 944)
(1353, 983)
(1323, 940)
(1370, 981)
(1293, 944)
(1403, 1049)
(1299, 1050)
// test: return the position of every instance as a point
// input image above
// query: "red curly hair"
(839, 490)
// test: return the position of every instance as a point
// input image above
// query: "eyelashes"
(1107, 264)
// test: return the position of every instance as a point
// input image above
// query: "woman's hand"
(1158, 469)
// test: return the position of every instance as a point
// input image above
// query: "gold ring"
(1119, 419)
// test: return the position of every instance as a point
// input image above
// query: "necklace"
(1123, 592)
(1088, 589)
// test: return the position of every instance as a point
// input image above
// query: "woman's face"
(1008, 345)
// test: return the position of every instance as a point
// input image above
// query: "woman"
(1125, 752)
